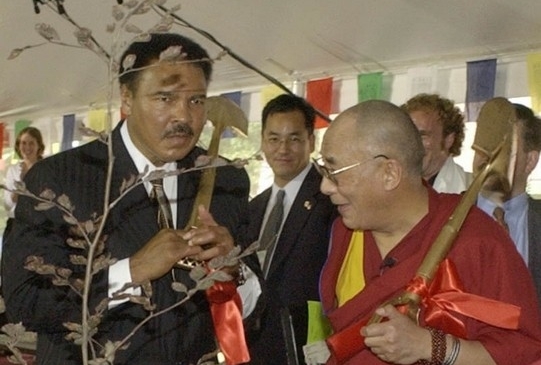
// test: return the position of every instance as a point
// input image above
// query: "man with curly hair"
(441, 125)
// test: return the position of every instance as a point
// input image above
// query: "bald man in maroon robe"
(481, 307)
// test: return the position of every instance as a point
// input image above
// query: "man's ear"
(312, 141)
(126, 97)
(532, 158)
(392, 174)
(448, 141)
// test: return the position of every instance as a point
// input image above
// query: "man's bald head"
(382, 127)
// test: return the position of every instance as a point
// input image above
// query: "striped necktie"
(165, 218)
(499, 215)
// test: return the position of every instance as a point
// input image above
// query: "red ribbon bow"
(226, 311)
(443, 296)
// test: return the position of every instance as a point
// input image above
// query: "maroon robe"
(486, 261)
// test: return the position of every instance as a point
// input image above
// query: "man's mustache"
(179, 128)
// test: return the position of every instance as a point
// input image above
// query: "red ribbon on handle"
(226, 311)
(443, 296)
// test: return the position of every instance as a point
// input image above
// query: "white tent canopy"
(288, 39)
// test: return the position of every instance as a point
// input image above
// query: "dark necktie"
(269, 237)
(499, 215)
(165, 218)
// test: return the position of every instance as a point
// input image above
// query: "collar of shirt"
(516, 217)
(170, 184)
(486, 205)
(519, 202)
(291, 189)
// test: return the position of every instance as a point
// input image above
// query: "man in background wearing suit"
(297, 251)
(522, 213)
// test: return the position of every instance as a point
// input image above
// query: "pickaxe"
(223, 113)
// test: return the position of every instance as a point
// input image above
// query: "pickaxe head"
(495, 144)
(223, 113)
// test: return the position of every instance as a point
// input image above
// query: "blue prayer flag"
(481, 77)
(67, 135)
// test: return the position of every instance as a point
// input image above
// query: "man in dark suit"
(163, 92)
(522, 213)
(291, 268)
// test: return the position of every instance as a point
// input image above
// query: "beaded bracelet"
(439, 348)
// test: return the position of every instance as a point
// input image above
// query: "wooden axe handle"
(208, 177)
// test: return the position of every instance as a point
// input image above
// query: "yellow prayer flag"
(534, 80)
(97, 119)
(55, 147)
(270, 92)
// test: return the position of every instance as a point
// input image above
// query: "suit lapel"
(534, 238)
(134, 212)
(304, 204)
(257, 213)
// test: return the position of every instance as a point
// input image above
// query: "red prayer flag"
(2, 128)
(319, 94)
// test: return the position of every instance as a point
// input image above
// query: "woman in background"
(29, 148)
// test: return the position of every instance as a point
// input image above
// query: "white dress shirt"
(13, 174)
(452, 178)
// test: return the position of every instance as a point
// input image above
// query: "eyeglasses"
(331, 174)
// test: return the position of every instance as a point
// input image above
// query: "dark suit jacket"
(534, 243)
(294, 271)
(179, 336)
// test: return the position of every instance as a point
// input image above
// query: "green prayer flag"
(369, 86)
(20, 125)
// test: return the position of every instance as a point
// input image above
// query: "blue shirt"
(516, 217)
